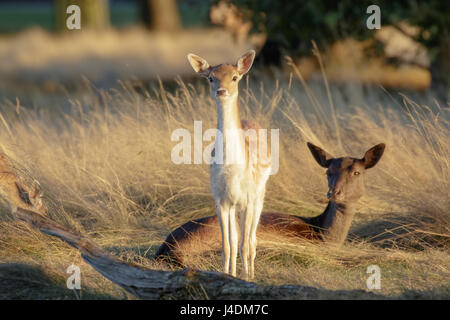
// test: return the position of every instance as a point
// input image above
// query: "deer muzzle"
(335, 194)
(222, 92)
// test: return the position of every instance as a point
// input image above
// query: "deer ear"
(200, 65)
(322, 157)
(373, 155)
(36, 191)
(245, 62)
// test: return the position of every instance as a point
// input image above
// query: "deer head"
(345, 175)
(224, 78)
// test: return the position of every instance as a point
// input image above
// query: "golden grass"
(106, 170)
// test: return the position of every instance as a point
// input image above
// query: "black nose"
(221, 92)
(333, 193)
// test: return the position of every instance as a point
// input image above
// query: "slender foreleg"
(223, 215)
(233, 238)
(254, 226)
(246, 222)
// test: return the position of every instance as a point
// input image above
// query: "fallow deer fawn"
(240, 170)
(345, 183)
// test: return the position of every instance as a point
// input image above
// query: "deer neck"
(334, 223)
(229, 125)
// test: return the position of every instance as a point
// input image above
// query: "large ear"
(322, 157)
(373, 155)
(245, 62)
(200, 65)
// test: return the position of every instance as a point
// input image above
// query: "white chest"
(229, 182)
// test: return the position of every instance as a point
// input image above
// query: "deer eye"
(356, 173)
(235, 78)
(210, 79)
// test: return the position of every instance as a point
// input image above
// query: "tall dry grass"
(106, 170)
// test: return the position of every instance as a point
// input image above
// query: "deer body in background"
(345, 183)
(228, 15)
(240, 168)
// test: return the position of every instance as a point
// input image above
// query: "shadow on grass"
(20, 281)
(399, 231)
(439, 293)
(134, 253)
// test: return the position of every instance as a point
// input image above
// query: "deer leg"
(245, 237)
(253, 241)
(233, 236)
(223, 215)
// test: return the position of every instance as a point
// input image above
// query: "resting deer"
(239, 169)
(14, 190)
(345, 183)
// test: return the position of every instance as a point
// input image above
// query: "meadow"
(102, 157)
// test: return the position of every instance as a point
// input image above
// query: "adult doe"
(239, 167)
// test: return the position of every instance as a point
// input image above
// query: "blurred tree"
(94, 13)
(293, 24)
(160, 14)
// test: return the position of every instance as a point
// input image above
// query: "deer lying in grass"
(15, 191)
(345, 182)
(239, 167)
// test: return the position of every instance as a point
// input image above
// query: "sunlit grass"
(106, 171)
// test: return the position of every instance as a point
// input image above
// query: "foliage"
(295, 23)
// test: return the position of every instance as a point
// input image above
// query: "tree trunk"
(94, 13)
(160, 15)
(440, 70)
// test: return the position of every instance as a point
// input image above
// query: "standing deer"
(345, 183)
(240, 169)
